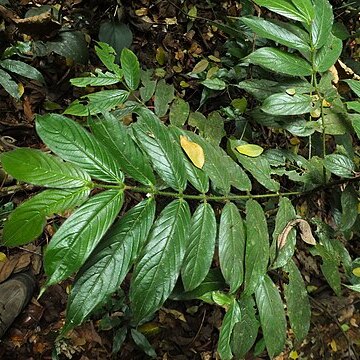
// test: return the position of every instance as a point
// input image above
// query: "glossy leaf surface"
(339, 165)
(28, 220)
(200, 250)
(284, 104)
(272, 315)
(73, 143)
(39, 168)
(322, 24)
(131, 68)
(159, 265)
(284, 8)
(71, 245)
(103, 273)
(257, 246)
(22, 69)
(232, 246)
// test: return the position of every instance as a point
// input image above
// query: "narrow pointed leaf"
(232, 246)
(297, 301)
(116, 137)
(245, 331)
(272, 31)
(328, 54)
(28, 220)
(103, 273)
(280, 61)
(349, 206)
(101, 79)
(162, 149)
(306, 8)
(285, 214)
(22, 69)
(159, 265)
(330, 270)
(97, 102)
(131, 68)
(79, 234)
(107, 56)
(322, 24)
(284, 104)
(257, 246)
(9, 85)
(232, 316)
(200, 251)
(284, 8)
(35, 167)
(142, 342)
(73, 143)
(272, 316)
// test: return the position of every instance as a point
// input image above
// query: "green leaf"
(164, 94)
(107, 56)
(285, 214)
(77, 237)
(117, 35)
(28, 220)
(328, 54)
(355, 122)
(179, 112)
(245, 331)
(297, 301)
(272, 315)
(200, 251)
(73, 143)
(35, 167)
(232, 246)
(116, 137)
(159, 265)
(280, 61)
(214, 84)
(149, 85)
(22, 69)
(349, 206)
(141, 341)
(103, 273)
(164, 152)
(354, 86)
(101, 79)
(70, 44)
(339, 165)
(306, 8)
(353, 105)
(284, 8)
(9, 85)
(276, 32)
(131, 68)
(284, 104)
(97, 102)
(259, 167)
(257, 246)
(330, 270)
(322, 24)
(232, 316)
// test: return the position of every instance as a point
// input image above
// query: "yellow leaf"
(20, 89)
(251, 150)
(160, 55)
(315, 113)
(150, 328)
(194, 151)
(333, 345)
(192, 13)
(294, 355)
(356, 271)
(291, 91)
(200, 66)
(3, 257)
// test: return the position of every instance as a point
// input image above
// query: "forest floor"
(167, 39)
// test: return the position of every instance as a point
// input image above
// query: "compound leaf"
(257, 246)
(297, 301)
(79, 234)
(272, 315)
(232, 246)
(131, 68)
(280, 62)
(159, 265)
(27, 221)
(116, 137)
(200, 251)
(164, 152)
(73, 143)
(103, 273)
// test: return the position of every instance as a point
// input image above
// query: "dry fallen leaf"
(305, 232)
(194, 151)
(251, 150)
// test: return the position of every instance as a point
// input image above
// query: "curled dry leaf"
(194, 151)
(305, 232)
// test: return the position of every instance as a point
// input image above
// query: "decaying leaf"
(194, 151)
(251, 150)
(305, 232)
